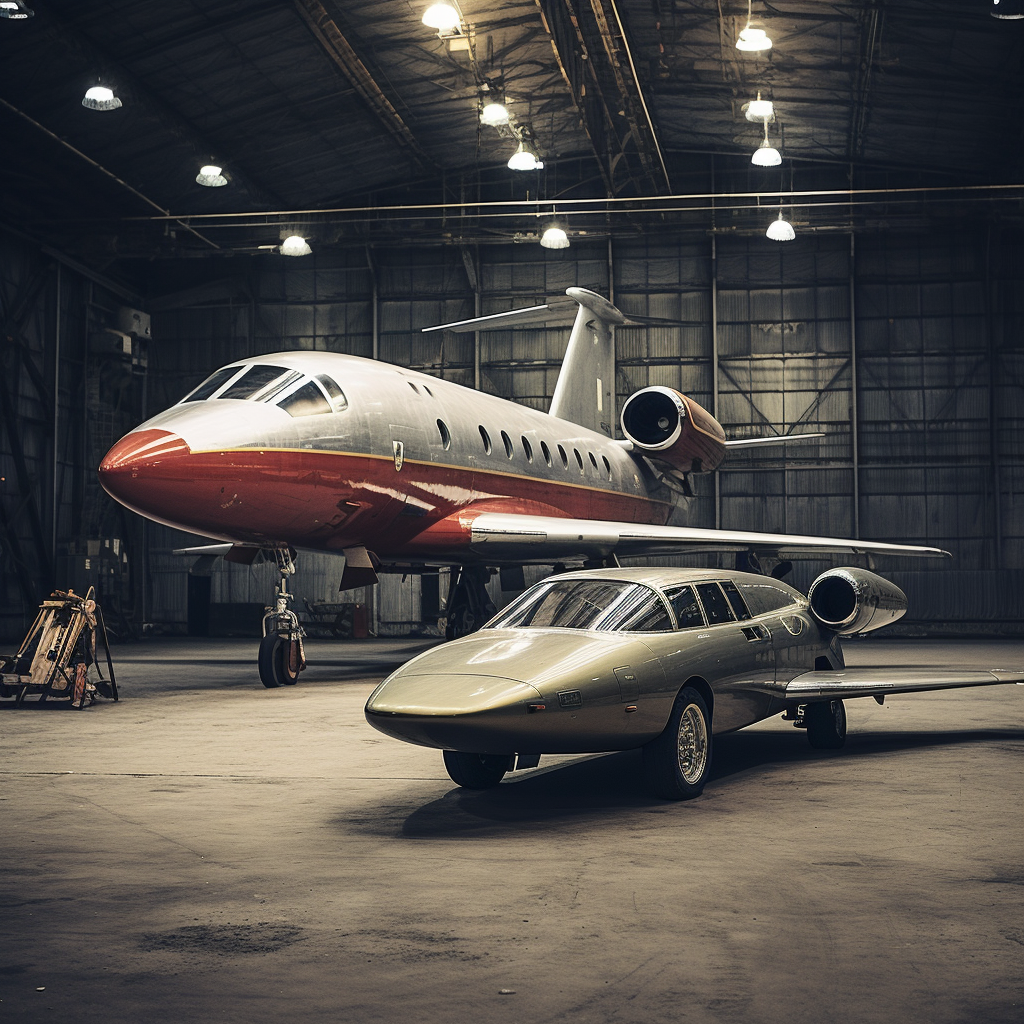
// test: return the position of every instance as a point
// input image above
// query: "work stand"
(57, 659)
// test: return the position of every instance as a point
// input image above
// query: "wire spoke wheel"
(692, 744)
(678, 762)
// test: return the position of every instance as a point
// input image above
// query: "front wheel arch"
(703, 687)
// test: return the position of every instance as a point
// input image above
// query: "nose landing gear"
(281, 657)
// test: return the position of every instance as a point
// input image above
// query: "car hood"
(533, 656)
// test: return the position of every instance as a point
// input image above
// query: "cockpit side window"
(211, 384)
(254, 379)
(736, 600)
(337, 396)
(308, 400)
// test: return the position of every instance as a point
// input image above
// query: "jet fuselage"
(381, 463)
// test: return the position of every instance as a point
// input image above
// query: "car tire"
(476, 771)
(826, 724)
(678, 762)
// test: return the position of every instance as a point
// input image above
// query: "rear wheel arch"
(704, 689)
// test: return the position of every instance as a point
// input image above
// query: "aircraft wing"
(877, 682)
(537, 538)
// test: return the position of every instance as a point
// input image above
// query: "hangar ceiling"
(354, 123)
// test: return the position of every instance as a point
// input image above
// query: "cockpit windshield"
(262, 383)
(254, 379)
(211, 384)
(589, 604)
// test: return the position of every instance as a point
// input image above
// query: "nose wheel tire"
(826, 724)
(279, 661)
(476, 771)
(678, 762)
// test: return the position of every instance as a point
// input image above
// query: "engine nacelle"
(667, 425)
(851, 600)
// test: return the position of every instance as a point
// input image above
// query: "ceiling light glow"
(443, 17)
(494, 113)
(750, 39)
(781, 230)
(555, 237)
(99, 97)
(766, 155)
(15, 11)
(525, 158)
(211, 176)
(760, 110)
(295, 245)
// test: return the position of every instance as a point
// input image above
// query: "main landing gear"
(825, 722)
(281, 655)
(469, 604)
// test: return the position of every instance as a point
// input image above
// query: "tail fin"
(585, 390)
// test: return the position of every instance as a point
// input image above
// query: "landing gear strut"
(281, 655)
(469, 604)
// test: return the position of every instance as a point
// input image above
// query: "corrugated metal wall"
(918, 392)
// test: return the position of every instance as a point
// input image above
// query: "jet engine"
(666, 425)
(852, 600)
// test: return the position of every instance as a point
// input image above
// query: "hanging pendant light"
(100, 97)
(781, 230)
(14, 10)
(752, 40)
(295, 245)
(493, 112)
(766, 155)
(554, 237)
(759, 110)
(1007, 10)
(210, 175)
(443, 17)
(525, 157)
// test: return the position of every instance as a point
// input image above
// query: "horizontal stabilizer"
(877, 682)
(757, 442)
(557, 311)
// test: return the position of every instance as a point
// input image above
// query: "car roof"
(661, 577)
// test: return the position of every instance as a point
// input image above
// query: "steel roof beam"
(326, 32)
(74, 40)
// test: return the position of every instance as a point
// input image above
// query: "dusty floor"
(208, 850)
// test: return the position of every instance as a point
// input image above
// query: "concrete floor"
(208, 850)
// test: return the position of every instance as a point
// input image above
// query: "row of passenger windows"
(615, 605)
(545, 451)
(264, 383)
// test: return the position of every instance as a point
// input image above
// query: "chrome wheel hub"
(692, 744)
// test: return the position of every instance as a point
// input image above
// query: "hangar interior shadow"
(610, 786)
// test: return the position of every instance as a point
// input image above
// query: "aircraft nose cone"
(138, 463)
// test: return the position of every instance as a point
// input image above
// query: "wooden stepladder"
(59, 652)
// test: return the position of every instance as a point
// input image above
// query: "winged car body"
(663, 659)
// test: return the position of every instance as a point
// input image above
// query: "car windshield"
(588, 604)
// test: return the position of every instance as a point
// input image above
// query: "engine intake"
(851, 600)
(666, 425)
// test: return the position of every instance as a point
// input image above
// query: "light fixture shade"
(766, 155)
(781, 230)
(443, 17)
(99, 97)
(211, 176)
(554, 237)
(295, 245)
(494, 113)
(15, 11)
(752, 40)
(524, 158)
(1007, 10)
(760, 110)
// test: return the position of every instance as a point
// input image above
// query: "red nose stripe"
(143, 446)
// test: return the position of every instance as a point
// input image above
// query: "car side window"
(684, 604)
(739, 606)
(650, 617)
(715, 604)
